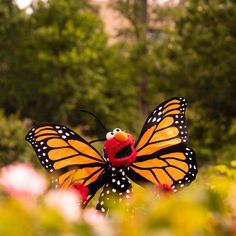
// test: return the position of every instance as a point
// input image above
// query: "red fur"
(112, 146)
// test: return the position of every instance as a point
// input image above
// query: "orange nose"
(121, 136)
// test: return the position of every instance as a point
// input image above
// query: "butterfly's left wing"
(163, 156)
(68, 157)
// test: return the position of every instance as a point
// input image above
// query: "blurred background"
(118, 59)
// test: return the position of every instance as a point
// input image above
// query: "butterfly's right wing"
(163, 155)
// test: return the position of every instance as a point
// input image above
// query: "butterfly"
(159, 156)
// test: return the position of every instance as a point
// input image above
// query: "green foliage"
(61, 69)
(14, 33)
(63, 64)
(120, 92)
(196, 45)
(206, 207)
(39, 221)
(211, 54)
(13, 146)
(57, 61)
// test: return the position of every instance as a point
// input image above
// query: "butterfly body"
(116, 188)
(159, 156)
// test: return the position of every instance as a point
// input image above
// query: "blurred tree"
(136, 12)
(13, 34)
(13, 146)
(206, 71)
(120, 92)
(208, 43)
(59, 66)
(145, 42)
(62, 63)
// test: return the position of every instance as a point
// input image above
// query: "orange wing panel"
(152, 148)
(60, 153)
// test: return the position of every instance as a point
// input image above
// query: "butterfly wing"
(163, 156)
(67, 156)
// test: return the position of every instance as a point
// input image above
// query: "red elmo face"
(119, 148)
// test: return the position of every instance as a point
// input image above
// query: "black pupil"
(117, 130)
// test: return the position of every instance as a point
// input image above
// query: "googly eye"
(116, 130)
(109, 135)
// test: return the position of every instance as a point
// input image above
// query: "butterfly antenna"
(97, 140)
(92, 114)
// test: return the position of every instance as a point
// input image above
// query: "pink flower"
(98, 222)
(22, 181)
(93, 217)
(66, 203)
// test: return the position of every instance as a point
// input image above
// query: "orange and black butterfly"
(159, 156)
